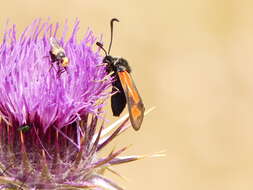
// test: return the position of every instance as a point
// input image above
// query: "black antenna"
(114, 19)
(101, 46)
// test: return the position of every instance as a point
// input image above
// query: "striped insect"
(58, 55)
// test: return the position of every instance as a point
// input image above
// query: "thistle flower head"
(49, 132)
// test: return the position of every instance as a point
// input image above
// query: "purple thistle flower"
(49, 132)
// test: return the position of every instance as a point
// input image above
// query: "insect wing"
(55, 46)
(118, 99)
(135, 105)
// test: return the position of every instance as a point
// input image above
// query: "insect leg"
(60, 71)
(102, 64)
(107, 77)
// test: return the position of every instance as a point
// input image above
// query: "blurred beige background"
(192, 60)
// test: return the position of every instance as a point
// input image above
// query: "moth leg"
(102, 64)
(107, 77)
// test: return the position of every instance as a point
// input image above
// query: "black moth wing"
(118, 99)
